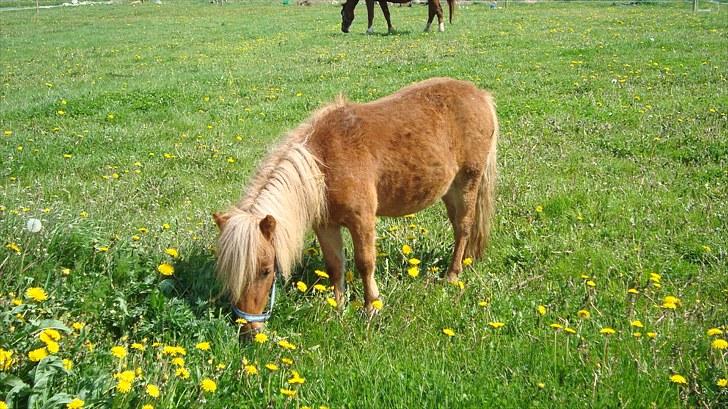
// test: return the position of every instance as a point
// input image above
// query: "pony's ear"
(220, 219)
(268, 226)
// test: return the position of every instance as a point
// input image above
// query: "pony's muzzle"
(250, 329)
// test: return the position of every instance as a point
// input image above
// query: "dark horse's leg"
(385, 11)
(433, 7)
(370, 16)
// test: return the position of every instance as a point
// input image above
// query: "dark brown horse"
(434, 8)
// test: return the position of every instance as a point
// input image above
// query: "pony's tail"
(485, 202)
(451, 8)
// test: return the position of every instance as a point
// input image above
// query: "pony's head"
(246, 263)
(347, 15)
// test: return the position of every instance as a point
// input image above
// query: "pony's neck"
(290, 187)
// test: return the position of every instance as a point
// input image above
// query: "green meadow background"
(122, 128)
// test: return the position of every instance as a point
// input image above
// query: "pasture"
(123, 128)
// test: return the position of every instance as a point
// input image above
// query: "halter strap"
(266, 314)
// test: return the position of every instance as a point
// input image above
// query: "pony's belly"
(398, 196)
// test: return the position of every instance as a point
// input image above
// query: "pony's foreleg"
(362, 234)
(370, 16)
(385, 11)
(434, 8)
(460, 202)
(332, 247)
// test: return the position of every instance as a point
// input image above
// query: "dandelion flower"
(3, 405)
(76, 403)
(651, 335)
(173, 350)
(320, 288)
(406, 250)
(165, 269)
(414, 261)
(286, 345)
(483, 303)
(722, 382)
(203, 346)
(556, 326)
(261, 338)
(636, 324)
(119, 352)
(138, 346)
(541, 310)
(583, 314)
(377, 304)
(633, 291)
(251, 369)
(208, 385)
(449, 332)
(468, 261)
(591, 283)
(719, 344)
(607, 331)
(14, 247)
(78, 326)
(290, 393)
(301, 286)
(413, 271)
(123, 387)
(172, 252)
(496, 324)
(271, 367)
(296, 379)
(53, 347)
(182, 373)
(714, 331)
(655, 278)
(6, 359)
(569, 330)
(679, 379)
(49, 335)
(37, 354)
(153, 390)
(178, 362)
(331, 302)
(148, 406)
(321, 274)
(36, 294)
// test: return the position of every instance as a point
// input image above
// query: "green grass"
(612, 160)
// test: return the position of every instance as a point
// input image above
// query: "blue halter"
(266, 314)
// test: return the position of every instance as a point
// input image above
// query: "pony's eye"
(265, 272)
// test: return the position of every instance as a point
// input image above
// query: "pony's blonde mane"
(289, 186)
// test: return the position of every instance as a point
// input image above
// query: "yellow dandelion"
(496, 324)
(670, 299)
(719, 344)
(539, 209)
(714, 331)
(413, 272)
(583, 314)
(633, 291)
(556, 326)
(67, 365)
(138, 346)
(655, 278)
(331, 302)
(208, 385)
(377, 304)
(153, 390)
(287, 361)
(591, 283)
(320, 288)
(321, 274)
(301, 286)
(651, 335)
(148, 406)
(722, 382)
(290, 393)
(541, 310)
(78, 326)
(203, 346)
(123, 386)
(76, 403)
(679, 379)
(569, 330)
(53, 347)
(37, 354)
(178, 362)
(261, 338)
(6, 359)
(636, 334)
(166, 269)
(607, 331)
(251, 369)
(449, 332)
(406, 250)
(14, 247)
(182, 373)
(468, 261)
(126, 376)
(271, 367)
(636, 324)
(414, 261)
(119, 352)
(171, 251)
(36, 294)
(49, 335)
(286, 345)
(296, 379)
(483, 303)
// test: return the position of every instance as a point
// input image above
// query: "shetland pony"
(350, 163)
(433, 7)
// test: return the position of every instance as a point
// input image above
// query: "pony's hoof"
(427, 28)
(441, 28)
(452, 277)
(370, 30)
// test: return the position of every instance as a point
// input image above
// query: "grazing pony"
(433, 6)
(350, 163)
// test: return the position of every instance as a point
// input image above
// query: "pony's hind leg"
(385, 11)
(362, 234)
(332, 247)
(370, 16)
(460, 201)
(434, 9)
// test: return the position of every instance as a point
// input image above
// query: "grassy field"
(123, 128)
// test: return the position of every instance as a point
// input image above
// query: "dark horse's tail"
(451, 8)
